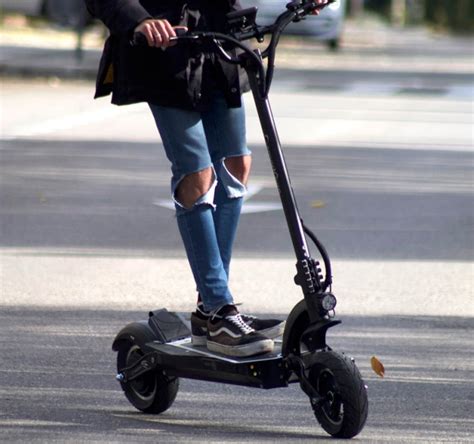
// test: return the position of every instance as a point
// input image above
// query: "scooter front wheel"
(152, 392)
(344, 408)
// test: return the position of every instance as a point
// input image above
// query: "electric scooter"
(154, 353)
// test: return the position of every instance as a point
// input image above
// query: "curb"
(30, 62)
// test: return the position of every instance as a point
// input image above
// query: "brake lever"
(182, 33)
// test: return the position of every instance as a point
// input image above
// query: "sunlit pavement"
(385, 180)
(381, 163)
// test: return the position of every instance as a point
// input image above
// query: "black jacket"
(181, 76)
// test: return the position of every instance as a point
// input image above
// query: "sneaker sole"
(270, 333)
(254, 348)
(273, 332)
(199, 341)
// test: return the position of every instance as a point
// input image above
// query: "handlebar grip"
(139, 39)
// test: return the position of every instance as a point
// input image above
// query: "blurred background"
(373, 101)
(453, 16)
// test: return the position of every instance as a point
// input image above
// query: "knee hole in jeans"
(239, 167)
(194, 186)
(233, 173)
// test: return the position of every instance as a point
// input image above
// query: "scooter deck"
(185, 345)
(180, 358)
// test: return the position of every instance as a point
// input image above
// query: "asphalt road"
(382, 168)
(57, 385)
(385, 179)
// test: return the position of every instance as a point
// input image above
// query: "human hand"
(321, 4)
(158, 32)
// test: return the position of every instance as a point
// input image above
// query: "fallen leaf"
(377, 366)
(318, 204)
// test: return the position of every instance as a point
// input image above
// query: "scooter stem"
(280, 170)
(306, 276)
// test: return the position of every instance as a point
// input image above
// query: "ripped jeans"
(194, 141)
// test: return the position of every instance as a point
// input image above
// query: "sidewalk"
(368, 44)
(43, 51)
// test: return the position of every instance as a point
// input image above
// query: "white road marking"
(248, 207)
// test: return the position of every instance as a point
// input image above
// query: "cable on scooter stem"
(324, 255)
(215, 38)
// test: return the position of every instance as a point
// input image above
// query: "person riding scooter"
(196, 102)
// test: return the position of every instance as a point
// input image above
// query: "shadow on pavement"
(57, 384)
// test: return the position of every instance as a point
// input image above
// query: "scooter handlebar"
(245, 28)
(140, 40)
(296, 9)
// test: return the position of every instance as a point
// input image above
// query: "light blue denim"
(194, 141)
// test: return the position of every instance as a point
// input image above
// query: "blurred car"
(65, 12)
(327, 26)
(27, 7)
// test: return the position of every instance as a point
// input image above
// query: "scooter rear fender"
(162, 326)
(300, 329)
(137, 333)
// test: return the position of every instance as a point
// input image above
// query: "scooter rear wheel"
(153, 392)
(337, 379)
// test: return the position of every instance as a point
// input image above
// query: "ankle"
(222, 312)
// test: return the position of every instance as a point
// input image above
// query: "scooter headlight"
(328, 301)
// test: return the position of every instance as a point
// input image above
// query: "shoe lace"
(240, 323)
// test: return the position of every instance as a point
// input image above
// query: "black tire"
(153, 392)
(337, 379)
